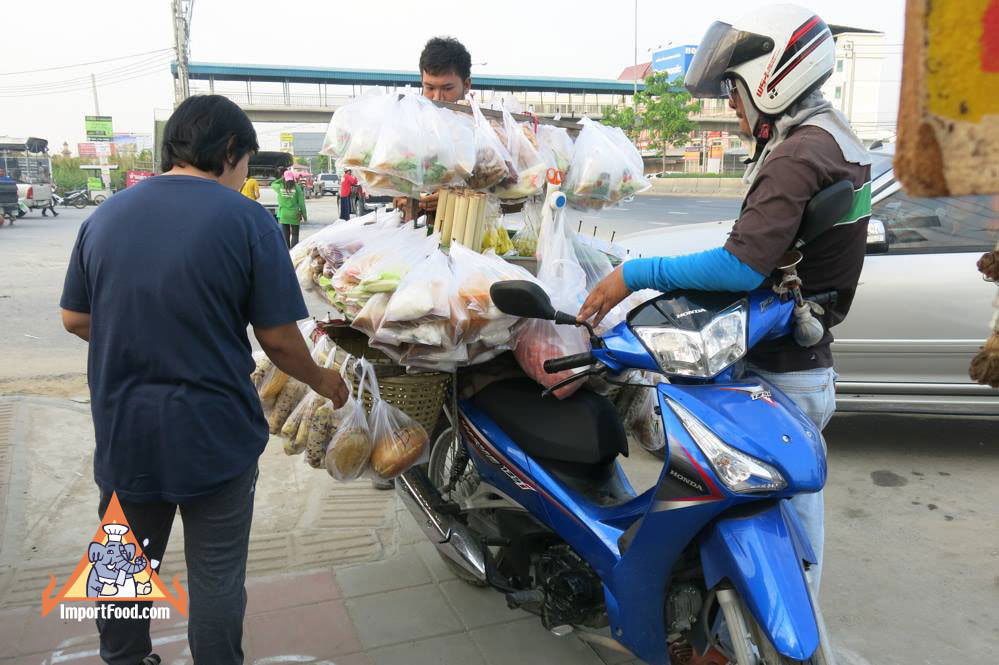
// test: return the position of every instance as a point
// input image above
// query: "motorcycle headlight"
(703, 353)
(740, 472)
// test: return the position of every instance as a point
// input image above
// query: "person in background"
(446, 76)
(291, 206)
(347, 184)
(251, 189)
(163, 281)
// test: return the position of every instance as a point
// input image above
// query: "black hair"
(446, 55)
(207, 132)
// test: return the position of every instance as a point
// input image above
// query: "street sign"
(98, 127)
(95, 183)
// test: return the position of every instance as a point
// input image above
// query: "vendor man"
(446, 74)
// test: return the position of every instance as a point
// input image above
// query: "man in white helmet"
(770, 65)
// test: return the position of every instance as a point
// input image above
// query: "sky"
(586, 38)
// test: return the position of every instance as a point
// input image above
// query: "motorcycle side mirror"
(824, 210)
(523, 298)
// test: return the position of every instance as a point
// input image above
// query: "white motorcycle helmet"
(772, 57)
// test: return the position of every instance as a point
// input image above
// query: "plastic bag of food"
(557, 140)
(402, 143)
(522, 145)
(399, 441)
(605, 168)
(261, 365)
(526, 239)
(323, 421)
(292, 393)
(493, 163)
(450, 147)
(474, 275)
(349, 449)
(322, 355)
(565, 281)
(354, 130)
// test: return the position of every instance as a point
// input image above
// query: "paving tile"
(477, 607)
(528, 643)
(400, 616)
(448, 650)
(438, 569)
(322, 631)
(409, 531)
(611, 656)
(352, 659)
(274, 592)
(325, 547)
(12, 623)
(50, 633)
(400, 572)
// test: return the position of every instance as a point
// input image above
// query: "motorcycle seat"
(584, 428)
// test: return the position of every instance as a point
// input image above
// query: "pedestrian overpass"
(272, 93)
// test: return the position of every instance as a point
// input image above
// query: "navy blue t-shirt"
(171, 271)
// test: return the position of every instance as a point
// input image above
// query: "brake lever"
(594, 371)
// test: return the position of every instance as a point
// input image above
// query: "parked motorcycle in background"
(524, 494)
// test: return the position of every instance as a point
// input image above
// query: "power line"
(105, 82)
(155, 62)
(84, 64)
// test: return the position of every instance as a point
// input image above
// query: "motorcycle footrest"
(518, 599)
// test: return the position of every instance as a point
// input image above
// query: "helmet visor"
(722, 48)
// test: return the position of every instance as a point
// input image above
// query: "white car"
(921, 311)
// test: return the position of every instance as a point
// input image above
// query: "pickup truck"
(35, 196)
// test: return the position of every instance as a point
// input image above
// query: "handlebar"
(556, 365)
(824, 299)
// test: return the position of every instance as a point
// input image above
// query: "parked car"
(327, 183)
(27, 162)
(921, 310)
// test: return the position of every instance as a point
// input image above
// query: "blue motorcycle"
(524, 493)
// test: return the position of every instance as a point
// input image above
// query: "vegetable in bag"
(529, 165)
(605, 168)
(493, 163)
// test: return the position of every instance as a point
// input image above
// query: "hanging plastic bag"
(558, 141)
(530, 166)
(493, 163)
(322, 355)
(565, 281)
(399, 441)
(474, 275)
(323, 422)
(526, 239)
(292, 393)
(450, 147)
(261, 365)
(605, 168)
(349, 448)
(401, 145)
(420, 307)
(354, 130)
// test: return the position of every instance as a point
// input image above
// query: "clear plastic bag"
(323, 355)
(605, 168)
(349, 448)
(399, 441)
(529, 165)
(493, 163)
(450, 147)
(558, 141)
(261, 365)
(526, 240)
(322, 423)
(292, 393)
(474, 275)
(402, 143)
(565, 281)
(354, 130)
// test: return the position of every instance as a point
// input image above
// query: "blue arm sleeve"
(711, 270)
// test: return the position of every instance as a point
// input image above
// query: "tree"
(625, 118)
(665, 108)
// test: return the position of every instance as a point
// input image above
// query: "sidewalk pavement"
(338, 573)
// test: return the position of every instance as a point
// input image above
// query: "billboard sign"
(86, 149)
(98, 127)
(287, 142)
(94, 183)
(674, 61)
(132, 177)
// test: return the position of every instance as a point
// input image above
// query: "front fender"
(761, 555)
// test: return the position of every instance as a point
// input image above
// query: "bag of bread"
(320, 425)
(399, 441)
(349, 448)
(322, 355)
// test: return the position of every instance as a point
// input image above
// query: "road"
(912, 567)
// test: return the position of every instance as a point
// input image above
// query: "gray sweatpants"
(216, 538)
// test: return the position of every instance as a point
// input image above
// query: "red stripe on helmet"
(797, 61)
(803, 29)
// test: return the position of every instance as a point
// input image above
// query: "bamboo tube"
(460, 219)
(480, 230)
(439, 215)
(470, 226)
(448, 220)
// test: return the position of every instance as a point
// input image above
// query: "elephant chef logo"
(114, 568)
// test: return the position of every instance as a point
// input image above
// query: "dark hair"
(207, 132)
(446, 55)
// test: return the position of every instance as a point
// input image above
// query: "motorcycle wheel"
(442, 459)
(99, 199)
(80, 202)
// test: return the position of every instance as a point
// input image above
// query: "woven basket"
(420, 396)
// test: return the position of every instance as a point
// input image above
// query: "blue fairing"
(761, 555)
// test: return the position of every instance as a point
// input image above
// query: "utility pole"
(97, 104)
(634, 72)
(181, 34)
